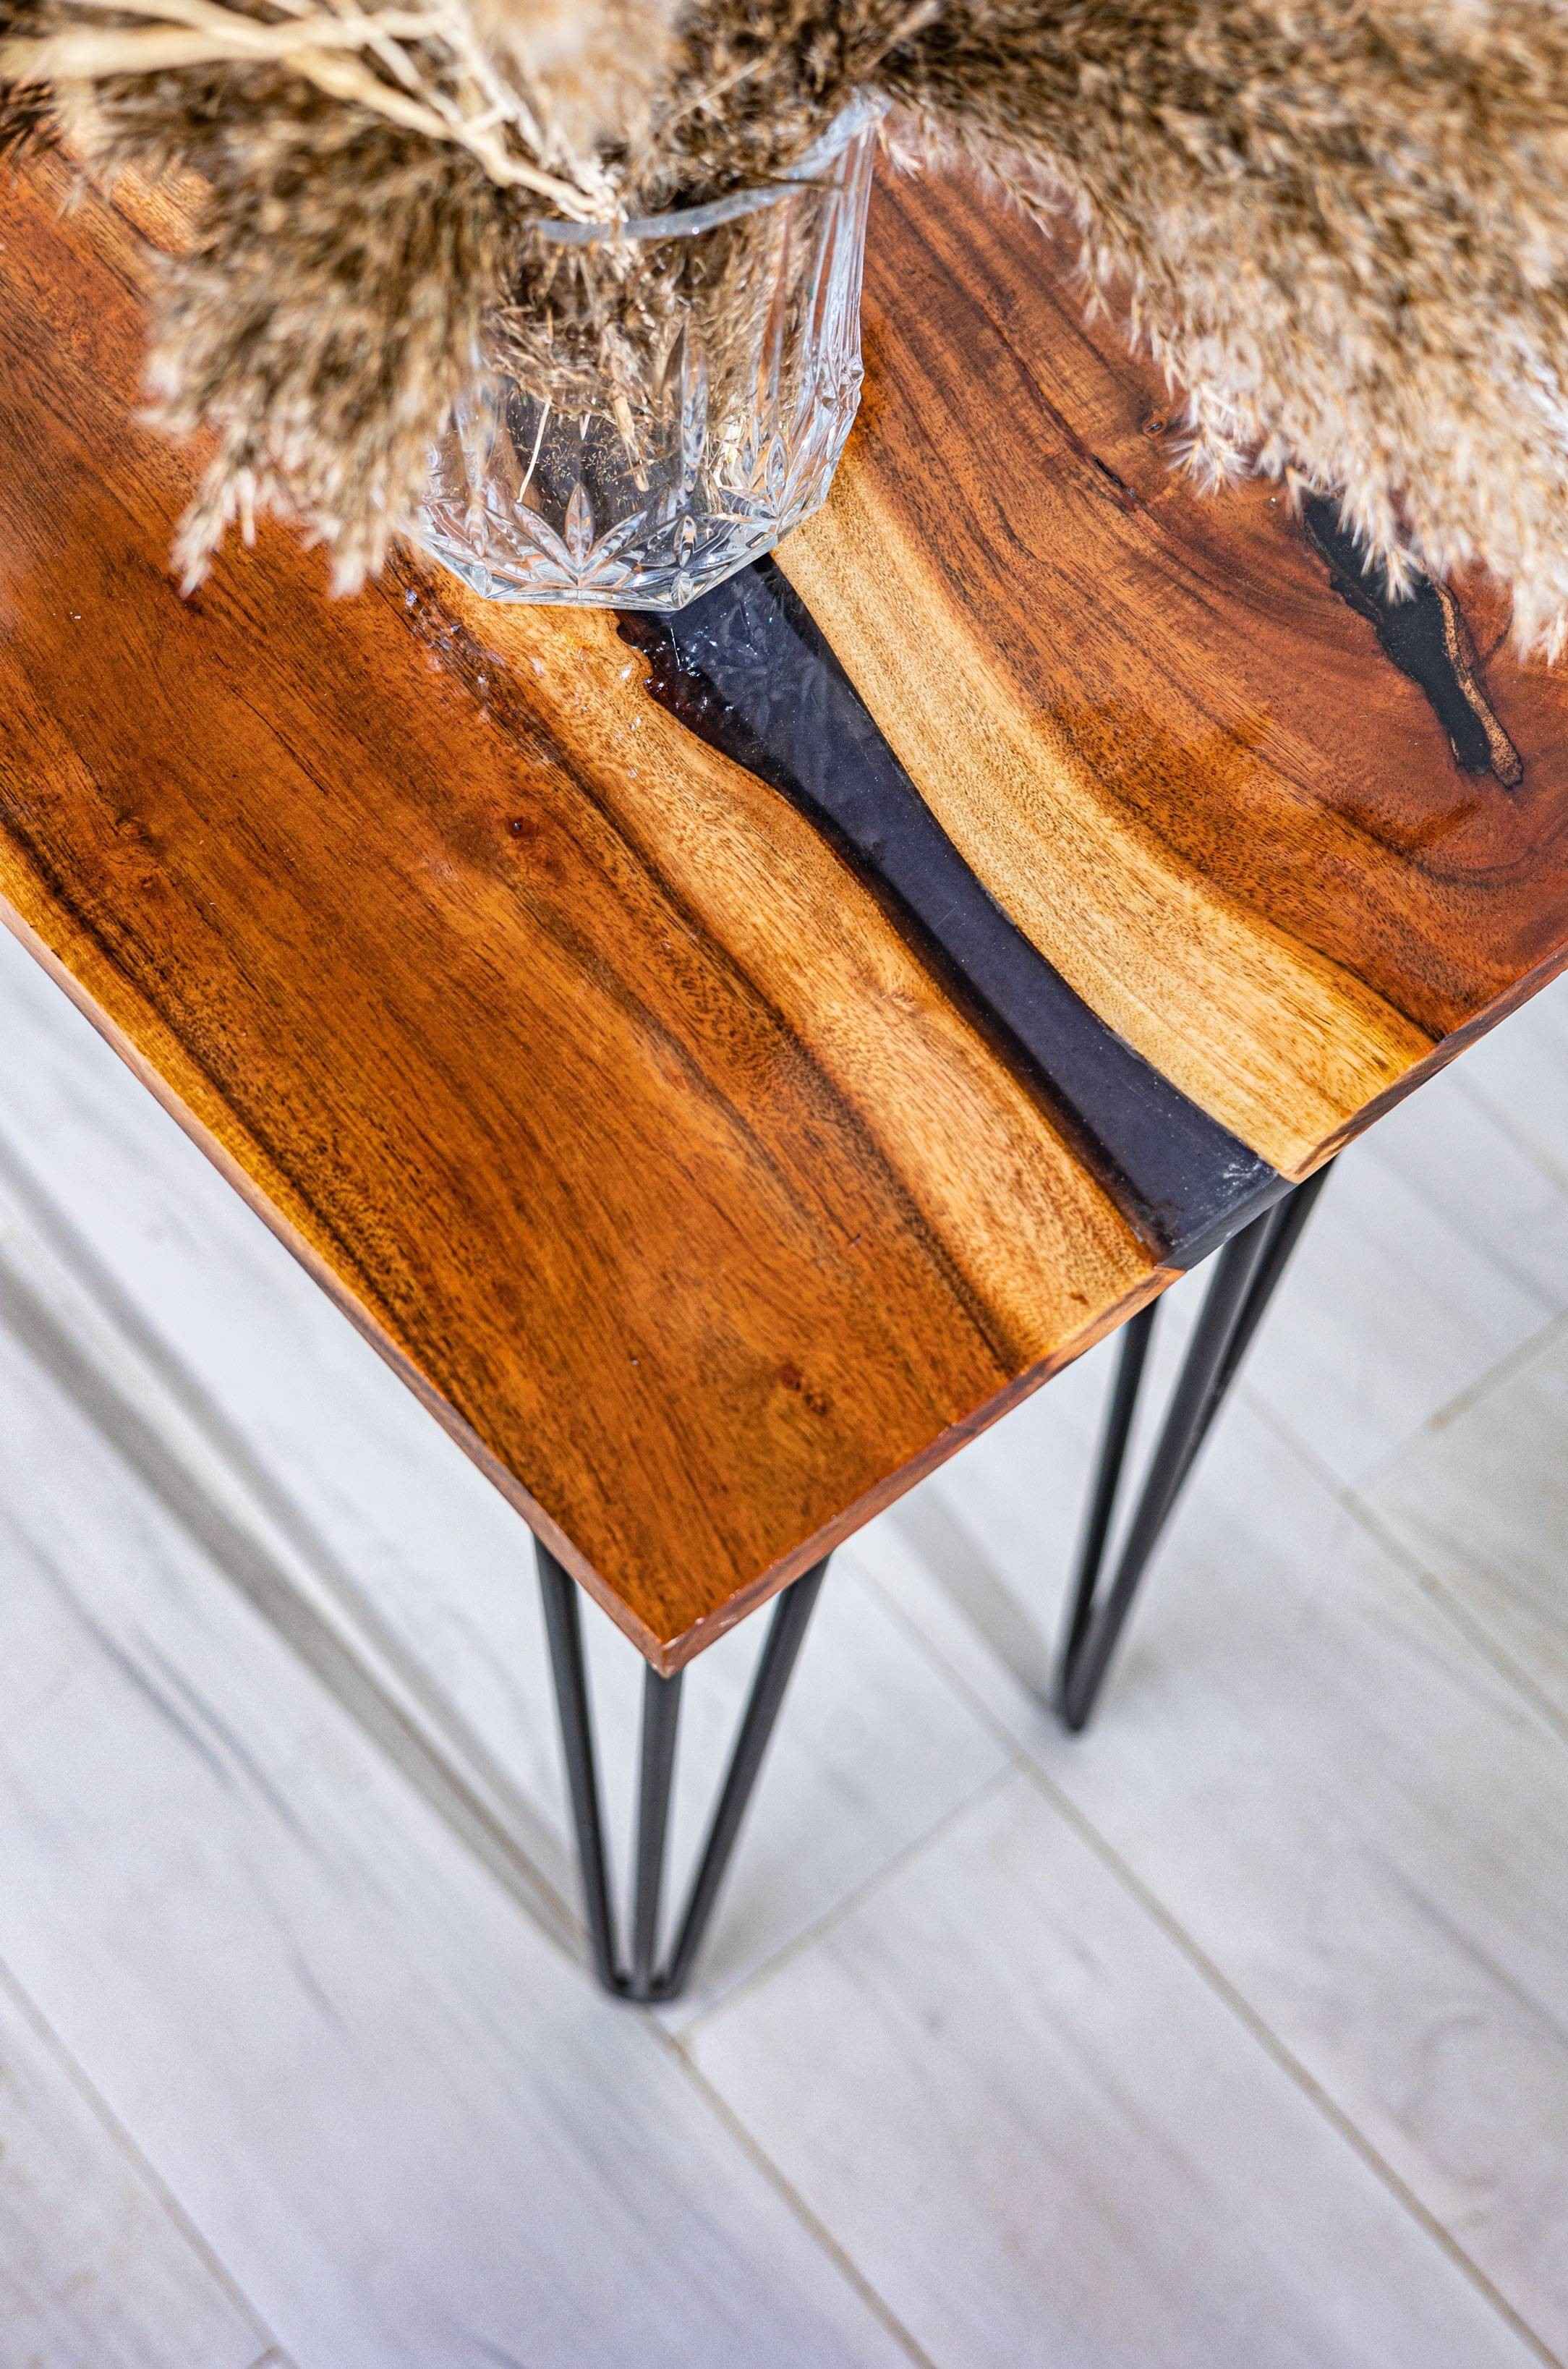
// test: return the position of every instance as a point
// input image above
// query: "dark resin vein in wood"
(749, 670)
(1427, 638)
(665, 1128)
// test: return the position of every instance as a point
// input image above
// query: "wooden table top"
(724, 1065)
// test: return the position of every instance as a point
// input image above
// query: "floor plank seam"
(1291, 2065)
(247, 1565)
(1503, 1120)
(1352, 1501)
(1235, 2000)
(146, 2170)
(688, 2024)
(1479, 1640)
(1453, 1408)
(815, 2227)
(268, 1502)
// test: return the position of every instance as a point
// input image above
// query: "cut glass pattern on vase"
(742, 421)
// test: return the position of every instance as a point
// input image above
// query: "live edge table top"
(724, 1065)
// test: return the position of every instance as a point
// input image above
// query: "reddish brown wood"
(622, 1116)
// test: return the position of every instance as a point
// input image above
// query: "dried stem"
(312, 42)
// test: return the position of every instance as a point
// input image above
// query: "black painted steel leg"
(646, 1979)
(662, 1715)
(563, 1623)
(1138, 1338)
(1246, 1274)
(787, 1635)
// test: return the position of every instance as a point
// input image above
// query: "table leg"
(648, 1979)
(1246, 1274)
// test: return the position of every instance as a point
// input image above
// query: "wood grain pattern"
(699, 1190)
(584, 1072)
(1152, 724)
(749, 670)
(1326, 1775)
(1034, 2170)
(433, 1548)
(180, 1327)
(96, 2270)
(410, 2131)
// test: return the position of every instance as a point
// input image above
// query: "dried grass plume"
(1340, 225)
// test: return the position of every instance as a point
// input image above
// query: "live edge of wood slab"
(724, 1065)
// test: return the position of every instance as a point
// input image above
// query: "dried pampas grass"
(597, 65)
(319, 348)
(1340, 225)
(366, 181)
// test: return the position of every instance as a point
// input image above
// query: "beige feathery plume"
(596, 66)
(1340, 225)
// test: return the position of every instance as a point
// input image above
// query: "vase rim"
(864, 110)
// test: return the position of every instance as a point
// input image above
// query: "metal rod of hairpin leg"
(787, 1635)
(1289, 1222)
(1193, 1406)
(1136, 1341)
(563, 1625)
(661, 1719)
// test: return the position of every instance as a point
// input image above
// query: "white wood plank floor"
(1233, 2034)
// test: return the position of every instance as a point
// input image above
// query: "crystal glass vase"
(720, 428)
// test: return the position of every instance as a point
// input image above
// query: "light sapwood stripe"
(748, 670)
(614, 1109)
(1278, 1044)
(1153, 722)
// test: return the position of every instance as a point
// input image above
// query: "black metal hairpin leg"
(644, 1978)
(1245, 1275)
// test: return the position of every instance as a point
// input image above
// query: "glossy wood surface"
(608, 1058)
